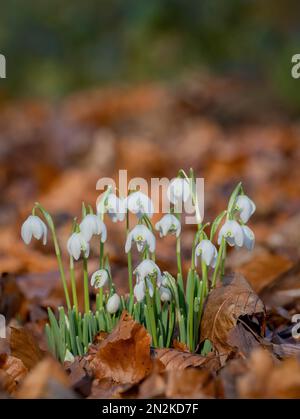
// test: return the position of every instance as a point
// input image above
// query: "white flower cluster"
(148, 274)
(237, 234)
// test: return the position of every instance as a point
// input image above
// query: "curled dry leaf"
(24, 347)
(124, 356)
(225, 304)
(12, 371)
(264, 268)
(187, 383)
(267, 379)
(46, 380)
(173, 359)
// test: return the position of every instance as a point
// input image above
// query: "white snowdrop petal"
(245, 206)
(113, 304)
(249, 238)
(139, 204)
(178, 190)
(237, 233)
(26, 232)
(99, 278)
(36, 227)
(128, 242)
(165, 294)
(103, 232)
(139, 291)
(151, 242)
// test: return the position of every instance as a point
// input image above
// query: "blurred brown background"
(150, 87)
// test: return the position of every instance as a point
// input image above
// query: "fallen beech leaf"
(173, 359)
(180, 346)
(46, 380)
(192, 383)
(108, 389)
(187, 383)
(285, 290)
(11, 297)
(14, 370)
(241, 338)
(266, 379)
(224, 306)
(24, 347)
(124, 356)
(263, 269)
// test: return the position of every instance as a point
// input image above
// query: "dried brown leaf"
(24, 347)
(267, 378)
(173, 359)
(124, 356)
(224, 306)
(13, 371)
(46, 380)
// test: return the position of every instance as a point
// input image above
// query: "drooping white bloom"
(77, 244)
(178, 190)
(168, 224)
(148, 269)
(114, 206)
(34, 226)
(99, 278)
(249, 238)
(245, 206)
(69, 357)
(142, 236)
(165, 294)
(208, 252)
(232, 232)
(139, 290)
(113, 304)
(138, 203)
(90, 225)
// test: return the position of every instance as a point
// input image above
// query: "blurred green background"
(54, 47)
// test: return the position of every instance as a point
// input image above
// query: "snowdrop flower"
(138, 203)
(139, 290)
(148, 269)
(35, 227)
(208, 252)
(90, 225)
(113, 304)
(142, 236)
(99, 278)
(168, 224)
(114, 206)
(77, 244)
(165, 294)
(178, 190)
(249, 238)
(232, 232)
(245, 206)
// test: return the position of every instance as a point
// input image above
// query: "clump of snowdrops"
(168, 306)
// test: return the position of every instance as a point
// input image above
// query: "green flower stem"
(86, 285)
(193, 256)
(50, 223)
(73, 284)
(150, 306)
(129, 260)
(178, 255)
(101, 257)
(190, 321)
(223, 259)
(219, 260)
(204, 277)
